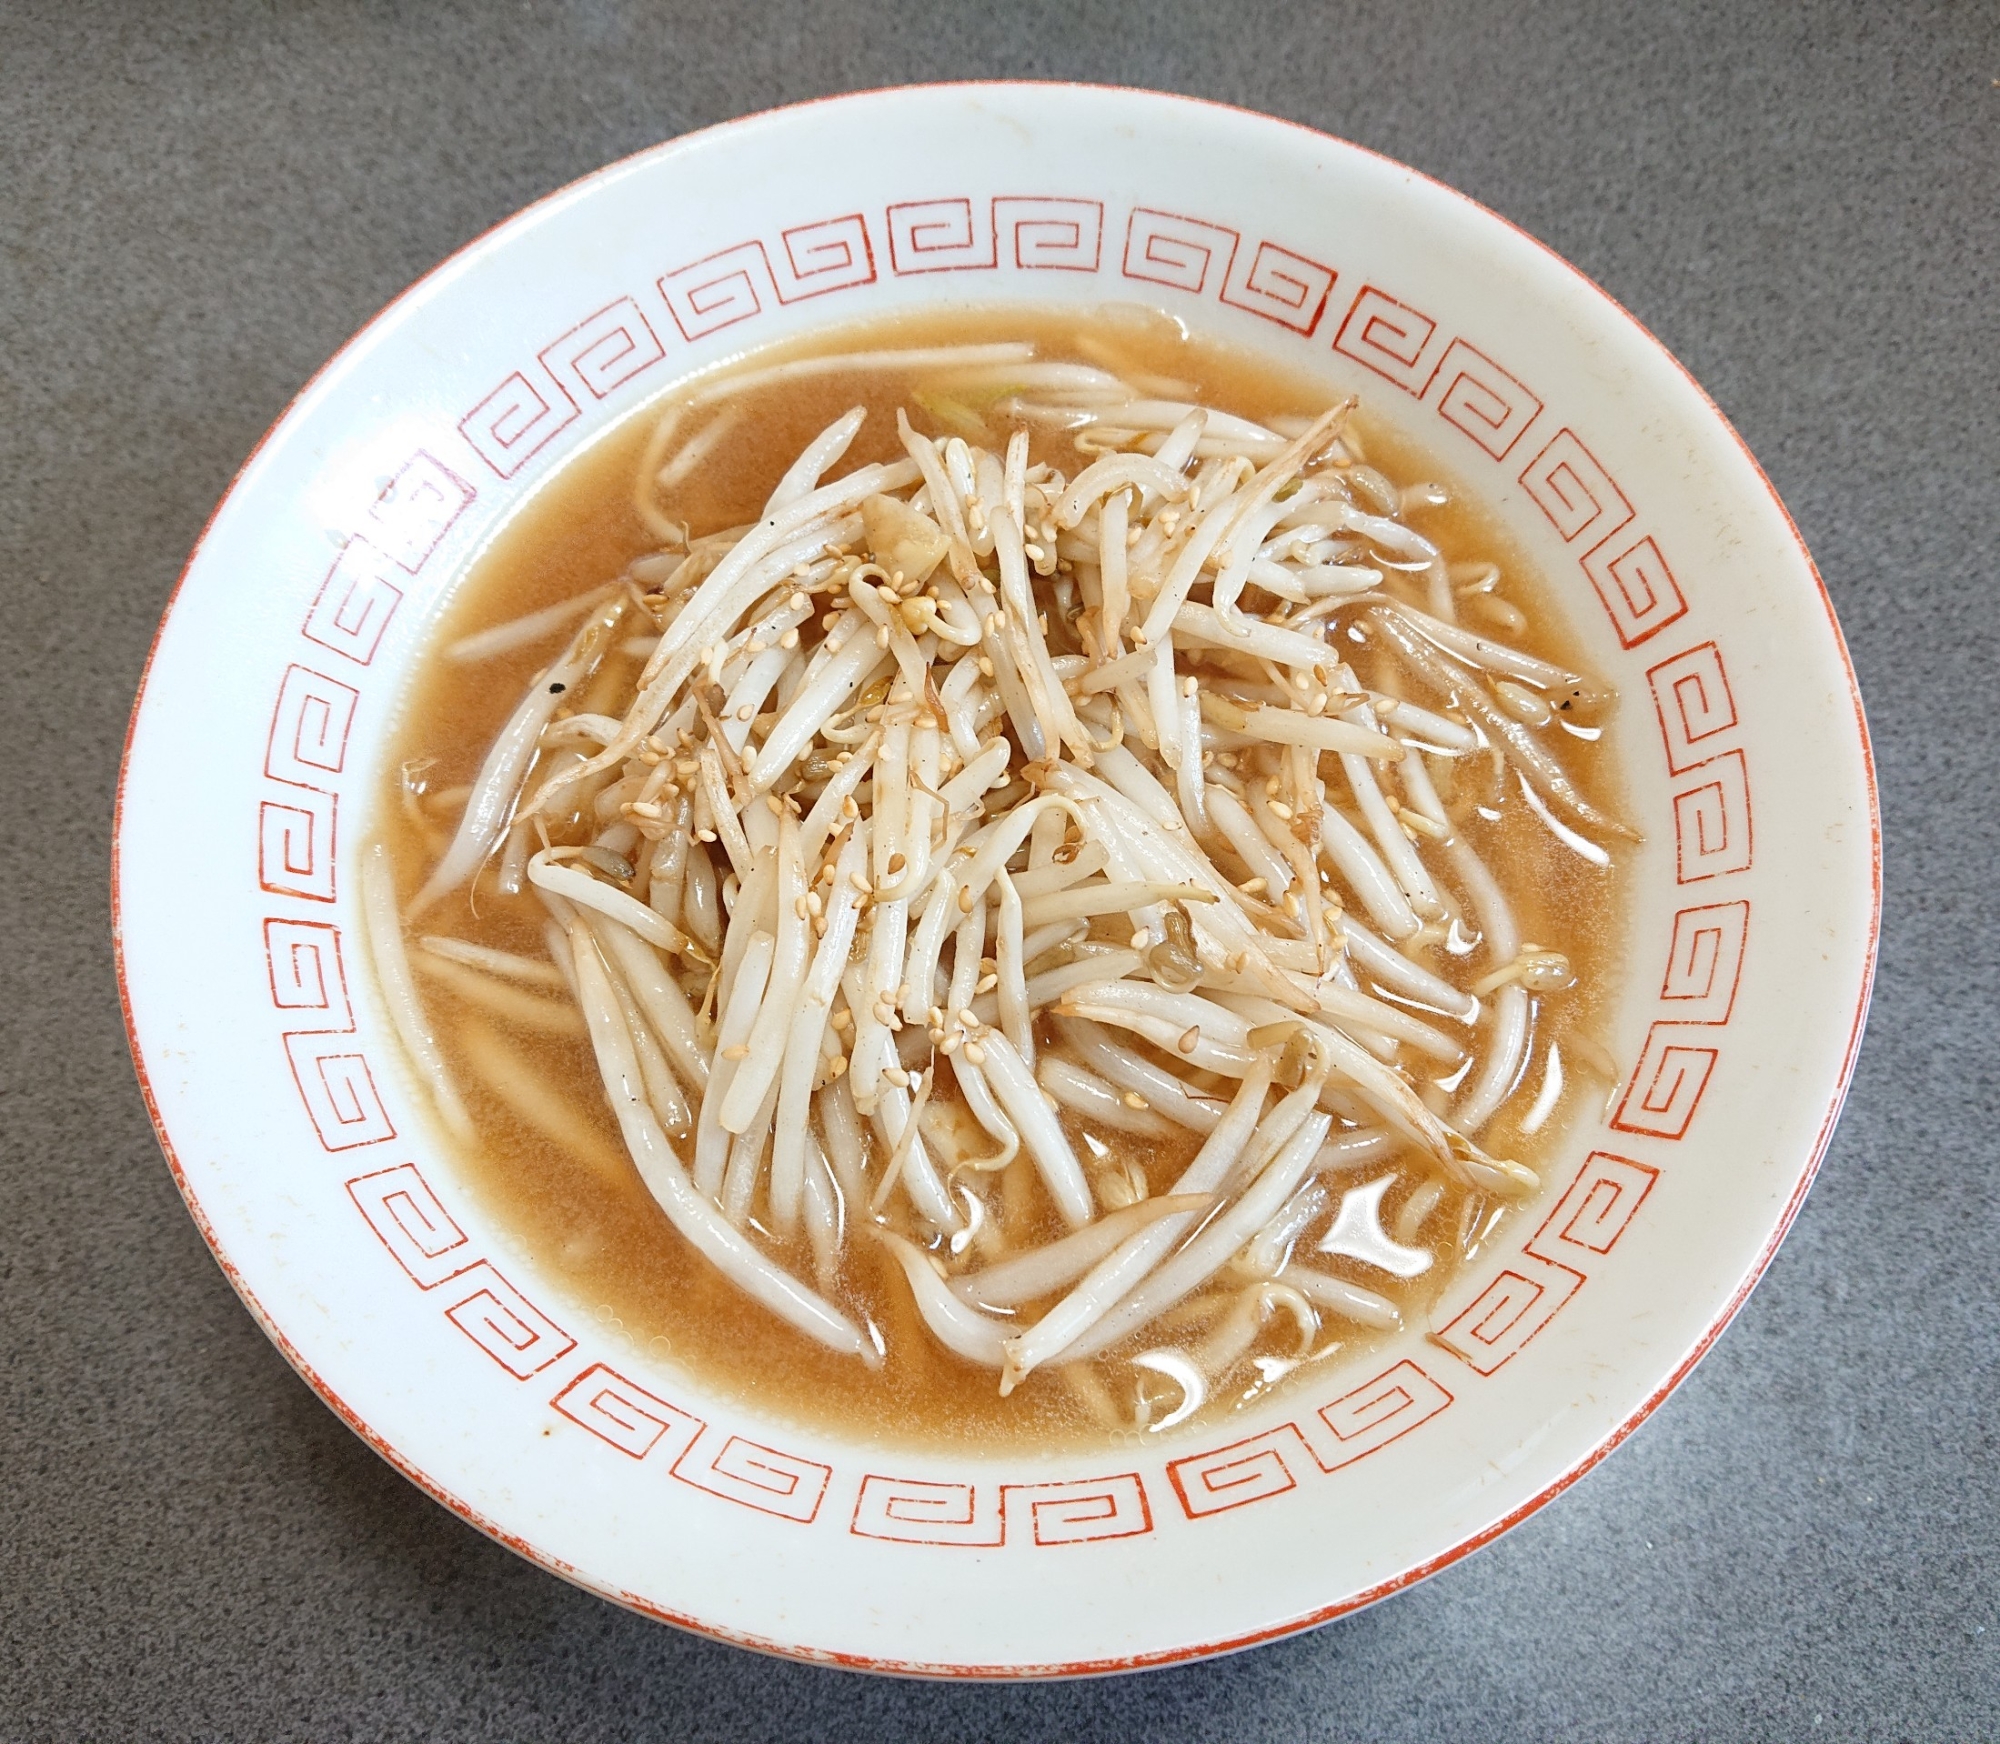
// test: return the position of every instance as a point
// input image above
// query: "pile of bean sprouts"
(960, 807)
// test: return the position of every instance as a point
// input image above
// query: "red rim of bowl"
(1060, 1669)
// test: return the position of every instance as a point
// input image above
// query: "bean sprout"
(1039, 871)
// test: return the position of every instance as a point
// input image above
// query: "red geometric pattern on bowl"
(306, 972)
(1037, 234)
(1077, 1510)
(1481, 399)
(309, 726)
(1030, 232)
(1187, 254)
(1691, 697)
(503, 1322)
(297, 838)
(939, 236)
(516, 421)
(1712, 819)
(1358, 1423)
(415, 509)
(1397, 342)
(732, 284)
(627, 1415)
(605, 350)
(1579, 497)
(1193, 255)
(1594, 1211)
(1705, 961)
(639, 1423)
(337, 1086)
(1637, 588)
(923, 1511)
(1674, 1068)
(303, 961)
(412, 1223)
(407, 521)
(1067, 1511)
(307, 742)
(1595, 1208)
(1504, 1316)
(355, 603)
(1282, 286)
(1251, 1470)
(740, 1470)
(829, 255)
(720, 290)
(1376, 1413)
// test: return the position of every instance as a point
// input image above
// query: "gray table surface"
(199, 202)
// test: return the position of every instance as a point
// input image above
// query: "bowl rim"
(886, 1665)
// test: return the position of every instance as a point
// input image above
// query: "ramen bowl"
(297, 1133)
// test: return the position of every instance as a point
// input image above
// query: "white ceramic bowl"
(291, 1126)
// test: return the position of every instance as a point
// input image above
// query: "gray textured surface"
(199, 202)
